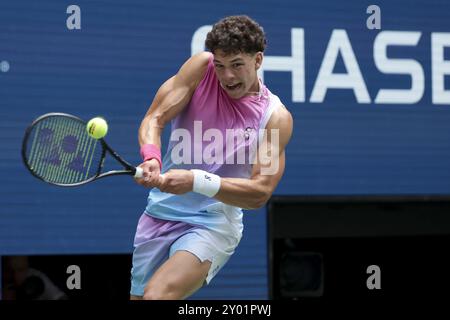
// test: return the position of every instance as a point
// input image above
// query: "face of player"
(237, 73)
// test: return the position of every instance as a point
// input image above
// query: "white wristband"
(205, 183)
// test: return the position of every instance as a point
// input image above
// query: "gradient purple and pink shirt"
(210, 112)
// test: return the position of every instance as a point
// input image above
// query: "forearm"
(150, 131)
(243, 193)
(254, 192)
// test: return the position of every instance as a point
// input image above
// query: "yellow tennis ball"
(97, 128)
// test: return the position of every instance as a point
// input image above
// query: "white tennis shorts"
(156, 240)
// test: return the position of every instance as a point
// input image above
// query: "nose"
(228, 75)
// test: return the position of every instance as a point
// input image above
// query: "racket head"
(57, 149)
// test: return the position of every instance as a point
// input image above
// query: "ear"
(259, 59)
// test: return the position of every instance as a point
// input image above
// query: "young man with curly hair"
(193, 220)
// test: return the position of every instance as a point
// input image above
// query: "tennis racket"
(57, 149)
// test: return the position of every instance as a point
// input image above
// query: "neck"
(256, 88)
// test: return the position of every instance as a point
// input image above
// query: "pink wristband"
(151, 151)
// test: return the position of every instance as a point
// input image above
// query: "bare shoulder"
(281, 119)
(194, 69)
(200, 59)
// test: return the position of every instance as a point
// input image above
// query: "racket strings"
(60, 151)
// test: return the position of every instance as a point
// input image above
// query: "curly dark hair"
(235, 34)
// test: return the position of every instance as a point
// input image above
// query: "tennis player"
(193, 220)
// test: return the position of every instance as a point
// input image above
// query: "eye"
(237, 65)
(219, 66)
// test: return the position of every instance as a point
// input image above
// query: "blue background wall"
(125, 49)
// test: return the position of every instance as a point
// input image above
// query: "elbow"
(258, 201)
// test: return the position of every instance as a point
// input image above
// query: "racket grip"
(138, 173)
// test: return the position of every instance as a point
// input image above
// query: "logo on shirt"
(248, 132)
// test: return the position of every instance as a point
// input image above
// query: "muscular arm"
(171, 98)
(254, 192)
(169, 101)
(249, 193)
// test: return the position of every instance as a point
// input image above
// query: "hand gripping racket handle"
(138, 173)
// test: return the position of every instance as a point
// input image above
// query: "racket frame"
(129, 169)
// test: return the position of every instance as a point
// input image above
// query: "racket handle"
(138, 173)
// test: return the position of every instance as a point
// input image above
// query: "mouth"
(233, 87)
